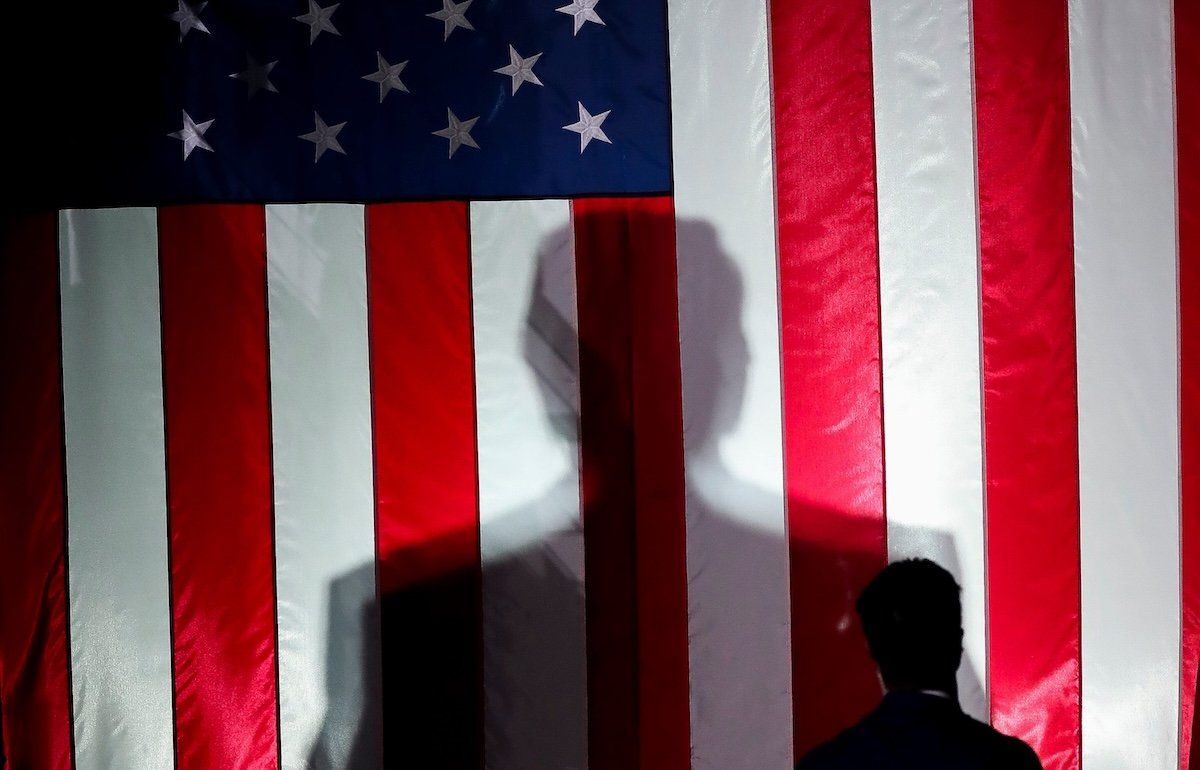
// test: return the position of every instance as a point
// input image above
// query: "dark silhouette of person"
(493, 658)
(912, 617)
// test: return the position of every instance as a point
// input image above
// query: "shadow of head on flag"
(584, 624)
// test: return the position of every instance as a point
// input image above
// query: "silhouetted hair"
(912, 616)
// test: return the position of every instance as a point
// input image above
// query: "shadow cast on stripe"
(489, 658)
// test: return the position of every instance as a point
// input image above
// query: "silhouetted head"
(714, 344)
(912, 616)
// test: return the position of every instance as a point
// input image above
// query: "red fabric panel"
(633, 484)
(212, 263)
(1029, 400)
(829, 307)
(35, 688)
(423, 399)
(1187, 116)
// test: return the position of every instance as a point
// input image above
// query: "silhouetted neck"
(946, 685)
(938, 694)
(908, 699)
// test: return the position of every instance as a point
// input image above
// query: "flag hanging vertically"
(535, 384)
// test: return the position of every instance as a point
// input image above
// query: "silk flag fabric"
(536, 384)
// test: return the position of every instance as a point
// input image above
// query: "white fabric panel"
(928, 255)
(324, 502)
(738, 595)
(116, 489)
(1123, 140)
(531, 529)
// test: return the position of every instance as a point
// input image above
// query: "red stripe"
(633, 487)
(218, 451)
(1029, 400)
(423, 399)
(1187, 116)
(829, 307)
(35, 687)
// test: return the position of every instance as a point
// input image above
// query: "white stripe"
(738, 605)
(924, 133)
(531, 531)
(116, 489)
(1126, 308)
(324, 511)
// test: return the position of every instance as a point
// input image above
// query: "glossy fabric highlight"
(427, 523)
(1187, 156)
(328, 620)
(830, 352)
(212, 262)
(1126, 301)
(929, 303)
(120, 610)
(739, 626)
(530, 517)
(1028, 342)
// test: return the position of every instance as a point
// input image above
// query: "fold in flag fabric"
(536, 385)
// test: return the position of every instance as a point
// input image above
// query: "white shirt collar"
(938, 693)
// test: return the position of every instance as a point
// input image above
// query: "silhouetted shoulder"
(851, 748)
(821, 758)
(908, 733)
(1002, 752)
(1015, 754)
(1024, 757)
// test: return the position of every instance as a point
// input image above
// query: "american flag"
(534, 384)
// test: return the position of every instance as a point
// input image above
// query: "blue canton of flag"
(362, 100)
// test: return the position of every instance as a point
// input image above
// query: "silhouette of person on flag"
(912, 617)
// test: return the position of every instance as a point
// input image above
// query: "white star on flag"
(520, 69)
(453, 15)
(188, 19)
(583, 11)
(318, 20)
(458, 132)
(388, 76)
(588, 127)
(192, 135)
(257, 76)
(323, 137)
